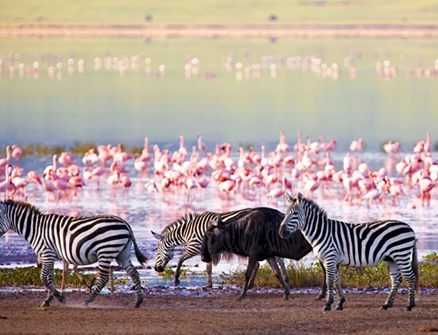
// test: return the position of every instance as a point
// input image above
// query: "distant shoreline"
(366, 31)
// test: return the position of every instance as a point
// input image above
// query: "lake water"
(238, 91)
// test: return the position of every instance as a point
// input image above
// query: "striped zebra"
(189, 230)
(75, 240)
(361, 245)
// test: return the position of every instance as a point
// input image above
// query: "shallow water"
(146, 212)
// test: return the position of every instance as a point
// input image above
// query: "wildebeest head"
(212, 242)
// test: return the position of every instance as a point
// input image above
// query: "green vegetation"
(312, 276)
(31, 276)
(217, 12)
(299, 275)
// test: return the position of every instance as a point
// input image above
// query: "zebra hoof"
(62, 299)
(339, 308)
(45, 304)
(327, 308)
(384, 308)
(409, 308)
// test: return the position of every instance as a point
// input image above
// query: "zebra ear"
(299, 197)
(157, 236)
(289, 198)
(2, 207)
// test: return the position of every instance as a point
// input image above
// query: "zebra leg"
(340, 292)
(124, 261)
(331, 273)
(274, 266)
(323, 292)
(410, 277)
(47, 279)
(133, 273)
(209, 272)
(103, 279)
(280, 261)
(396, 278)
(251, 264)
(253, 275)
(185, 256)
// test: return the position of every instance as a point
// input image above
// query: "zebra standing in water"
(361, 245)
(190, 230)
(76, 240)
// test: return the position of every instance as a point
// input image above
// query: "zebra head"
(5, 222)
(164, 252)
(294, 218)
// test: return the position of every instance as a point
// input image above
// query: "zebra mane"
(178, 222)
(21, 204)
(314, 206)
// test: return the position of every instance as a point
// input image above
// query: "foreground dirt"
(260, 313)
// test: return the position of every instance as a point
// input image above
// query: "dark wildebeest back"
(254, 235)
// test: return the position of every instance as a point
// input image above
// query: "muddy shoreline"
(263, 312)
(412, 31)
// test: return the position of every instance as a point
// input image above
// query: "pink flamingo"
(5, 161)
(201, 145)
(17, 152)
(356, 145)
(277, 192)
(426, 185)
(391, 148)
(229, 186)
(282, 146)
(151, 187)
(125, 182)
(139, 164)
(5, 185)
(65, 159)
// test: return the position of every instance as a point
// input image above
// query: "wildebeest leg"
(253, 275)
(251, 264)
(274, 266)
(209, 271)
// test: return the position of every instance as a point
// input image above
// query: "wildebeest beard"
(216, 257)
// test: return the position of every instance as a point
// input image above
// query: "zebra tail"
(140, 257)
(415, 269)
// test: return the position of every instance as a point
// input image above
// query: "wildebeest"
(254, 235)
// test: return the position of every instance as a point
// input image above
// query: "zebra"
(337, 243)
(76, 240)
(190, 229)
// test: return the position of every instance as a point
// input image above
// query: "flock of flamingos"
(305, 166)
